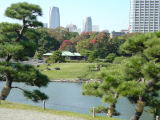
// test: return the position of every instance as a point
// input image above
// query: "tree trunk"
(111, 110)
(139, 109)
(4, 93)
(112, 107)
(7, 88)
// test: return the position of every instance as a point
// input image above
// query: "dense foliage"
(67, 45)
(62, 34)
(98, 45)
(45, 42)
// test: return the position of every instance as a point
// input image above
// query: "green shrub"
(56, 58)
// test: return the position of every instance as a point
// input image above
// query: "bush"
(118, 60)
(92, 56)
(110, 57)
(56, 58)
(38, 55)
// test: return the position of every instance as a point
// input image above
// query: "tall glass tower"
(87, 25)
(54, 18)
(144, 16)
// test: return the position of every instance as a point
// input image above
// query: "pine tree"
(106, 88)
(142, 72)
(136, 76)
(14, 41)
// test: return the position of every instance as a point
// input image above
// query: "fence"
(71, 106)
(78, 107)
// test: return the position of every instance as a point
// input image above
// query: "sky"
(108, 14)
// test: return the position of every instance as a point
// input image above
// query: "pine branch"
(19, 88)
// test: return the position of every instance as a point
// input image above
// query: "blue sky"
(108, 14)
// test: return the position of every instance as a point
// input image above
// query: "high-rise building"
(54, 18)
(71, 28)
(144, 16)
(87, 25)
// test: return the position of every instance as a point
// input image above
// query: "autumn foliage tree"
(99, 43)
(67, 45)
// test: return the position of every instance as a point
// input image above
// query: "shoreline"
(75, 80)
(70, 81)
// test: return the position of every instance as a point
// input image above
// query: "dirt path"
(12, 114)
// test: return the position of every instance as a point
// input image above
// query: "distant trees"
(49, 40)
(45, 42)
(93, 45)
(67, 45)
(98, 45)
(16, 43)
(62, 34)
(135, 76)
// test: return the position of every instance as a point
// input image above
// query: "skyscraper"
(144, 16)
(71, 28)
(54, 18)
(87, 25)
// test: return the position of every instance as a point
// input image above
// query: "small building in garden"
(46, 55)
(68, 55)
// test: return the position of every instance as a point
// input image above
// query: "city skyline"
(111, 15)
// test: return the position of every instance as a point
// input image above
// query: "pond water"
(68, 97)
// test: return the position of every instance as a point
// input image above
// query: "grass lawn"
(10, 105)
(67, 70)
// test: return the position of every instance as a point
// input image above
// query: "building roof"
(77, 54)
(47, 54)
(65, 53)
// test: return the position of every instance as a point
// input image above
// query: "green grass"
(67, 70)
(10, 105)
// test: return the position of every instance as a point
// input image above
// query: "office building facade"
(54, 18)
(144, 16)
(87, 25)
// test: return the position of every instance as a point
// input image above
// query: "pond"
(68, 97)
